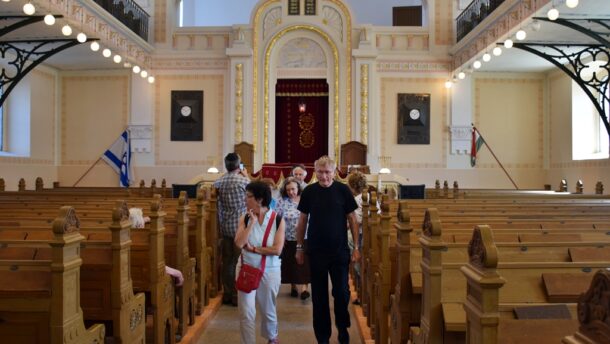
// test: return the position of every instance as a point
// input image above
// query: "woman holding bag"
(260, 234)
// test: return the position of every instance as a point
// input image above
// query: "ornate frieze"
(190, 63)
(414, 66)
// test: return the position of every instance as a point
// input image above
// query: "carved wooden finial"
(153, 183)
(563, 186)
(2, 185)
(142, 184)
(455, 185)
(183, 199)
(579, 187)
(594, 309)
(39, 184)
(200, 194)
(599, 188)
(21, 184)
(482, 250)
(445, 185)
(365, 196)
(385, 204)
(163, 183)
(432, 223)
(374, 199)
(403, 212)
(437, 184)
(66, 222)
(157, 203)
(120, 212)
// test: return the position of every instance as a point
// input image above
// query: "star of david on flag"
(118, 156)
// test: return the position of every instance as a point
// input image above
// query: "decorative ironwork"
(16, 22)
(597, 27)
(25, 55)
(474, 14)
(129, 13)
(582, 62)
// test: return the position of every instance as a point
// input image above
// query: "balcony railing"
(128, 13)
(475, 13)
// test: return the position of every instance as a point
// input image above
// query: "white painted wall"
(229, 12)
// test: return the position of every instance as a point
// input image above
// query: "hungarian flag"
(477, 142)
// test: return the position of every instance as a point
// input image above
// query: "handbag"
(249, 277)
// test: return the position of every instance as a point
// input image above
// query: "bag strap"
(267, 231)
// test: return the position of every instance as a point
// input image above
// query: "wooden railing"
(129, 13)
(475, 13)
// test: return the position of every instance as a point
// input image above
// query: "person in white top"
(250, 233)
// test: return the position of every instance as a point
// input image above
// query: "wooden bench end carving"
(482, 250)
(593, 309)
(66, 222)
(432, 223)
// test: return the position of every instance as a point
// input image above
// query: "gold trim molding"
(364, 103)
(239, 101)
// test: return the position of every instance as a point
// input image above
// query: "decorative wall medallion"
(413, 119)
(187, 116)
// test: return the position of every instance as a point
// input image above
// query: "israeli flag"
(118, 156)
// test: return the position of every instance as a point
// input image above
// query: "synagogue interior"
(482, 128)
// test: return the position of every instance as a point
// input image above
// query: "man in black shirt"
(329, 206)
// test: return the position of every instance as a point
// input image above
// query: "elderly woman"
(250, 235)
(293, 273)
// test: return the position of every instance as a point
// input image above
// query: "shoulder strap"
(265, 237)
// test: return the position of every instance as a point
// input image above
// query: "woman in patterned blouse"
(293, 273)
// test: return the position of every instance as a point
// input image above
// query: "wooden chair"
(353, 153)
(246, 152)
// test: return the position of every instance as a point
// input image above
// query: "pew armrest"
(455, 317)
(416, 282)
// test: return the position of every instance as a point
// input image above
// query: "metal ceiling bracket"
(24, 55)
(582, 63)
(16, 22)
(599, 28)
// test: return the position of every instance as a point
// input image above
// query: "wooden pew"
(444, 290)
(40, 299)
(128, 310)
(176, 242)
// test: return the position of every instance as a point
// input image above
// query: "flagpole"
(495, 157)
(90, 167)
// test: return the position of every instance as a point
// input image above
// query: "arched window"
(589, 136)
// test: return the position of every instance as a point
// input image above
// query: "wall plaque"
(413, 119)
(187, 116)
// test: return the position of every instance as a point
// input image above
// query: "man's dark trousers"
(230, 254)
(337, 266)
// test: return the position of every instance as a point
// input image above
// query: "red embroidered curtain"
(301, 134)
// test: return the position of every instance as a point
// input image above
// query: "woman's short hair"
(285, 184)
(356, 181)
(260, 191)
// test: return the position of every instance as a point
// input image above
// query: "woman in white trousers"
(249, 237)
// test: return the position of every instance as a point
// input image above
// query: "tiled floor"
(294, 322)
